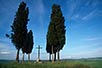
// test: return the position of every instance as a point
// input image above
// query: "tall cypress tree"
(56, 31)
(60, 27)
(25, 18)
(19, 28)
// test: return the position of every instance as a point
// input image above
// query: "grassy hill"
(81, 63)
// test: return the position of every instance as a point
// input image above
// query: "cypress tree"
(56, 31)
(19, 28)
(29, 43)
(60, 27)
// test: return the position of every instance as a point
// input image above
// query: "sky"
(83, 21)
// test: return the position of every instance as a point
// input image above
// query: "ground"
(61, 64)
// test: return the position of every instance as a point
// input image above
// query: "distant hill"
(97, 58)
(2, 60)
(94, 58)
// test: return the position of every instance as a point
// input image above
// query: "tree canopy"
(56, 30)
(19, 28)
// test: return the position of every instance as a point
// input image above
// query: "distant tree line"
(22, 38)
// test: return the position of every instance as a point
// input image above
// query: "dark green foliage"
(28, 46)
(19, 28)
(58, 19)
(56, 30)
(51, 37)
(29, 42)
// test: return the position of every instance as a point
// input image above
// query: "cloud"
(3, 45)
(93, 39)
(5, 52)
(90, 53)
(72, 8)
(87, 2)
(92, 3)
(94, 52)
(4, 40)
(82, 10)
(76, 17)
(89, 15)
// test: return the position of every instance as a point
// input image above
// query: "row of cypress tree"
(23, 39)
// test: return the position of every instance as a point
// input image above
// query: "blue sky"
(83, 21)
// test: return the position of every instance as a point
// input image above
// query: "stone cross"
(38, 59)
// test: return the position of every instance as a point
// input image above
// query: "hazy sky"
(83, 21)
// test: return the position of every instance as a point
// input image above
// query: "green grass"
(92, 63)
(61, 64)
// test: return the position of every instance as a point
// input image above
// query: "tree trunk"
(49, 57)
(17, 55)
(23, 57)
(58, 55)
(29, 57)
(52, 55)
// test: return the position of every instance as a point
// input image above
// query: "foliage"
(58, 19)
(51, 38)
(29, 42)
(56, 31)
(19, 28)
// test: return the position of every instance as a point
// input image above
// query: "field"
(61, 64)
